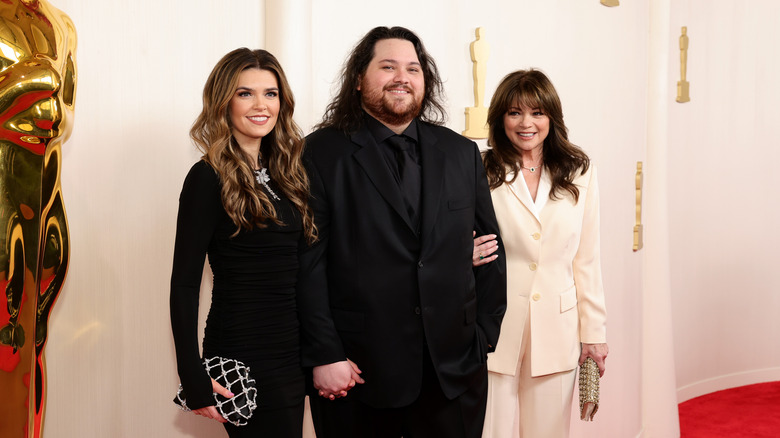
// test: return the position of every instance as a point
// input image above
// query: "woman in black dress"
(245, 205)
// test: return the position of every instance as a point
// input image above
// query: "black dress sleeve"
(200, 209)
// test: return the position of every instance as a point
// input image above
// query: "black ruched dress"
(253, 315)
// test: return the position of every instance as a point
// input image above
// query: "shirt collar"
(380, 132)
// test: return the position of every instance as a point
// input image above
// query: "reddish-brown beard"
(386, 112)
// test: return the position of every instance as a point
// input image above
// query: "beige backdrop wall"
(141, 70)
(724, 198)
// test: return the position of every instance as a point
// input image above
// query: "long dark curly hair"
(345, 111)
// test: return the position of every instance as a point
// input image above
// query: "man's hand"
(335, 379)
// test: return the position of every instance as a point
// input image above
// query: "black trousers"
(432, 415)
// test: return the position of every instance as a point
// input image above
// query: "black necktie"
(409, 170)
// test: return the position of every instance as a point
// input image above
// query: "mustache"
(398, 87)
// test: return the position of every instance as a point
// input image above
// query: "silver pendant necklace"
(262, 178)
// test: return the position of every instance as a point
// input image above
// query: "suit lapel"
(543, 192)
(433, 158)
(370, 158)
(520, 192)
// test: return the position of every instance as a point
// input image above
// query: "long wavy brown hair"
(245, 203)
(345, 111)
(562, 159)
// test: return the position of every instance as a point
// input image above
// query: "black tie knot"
(400, 142)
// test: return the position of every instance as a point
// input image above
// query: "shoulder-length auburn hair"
(531, 88)
(246, 204)
(345, 111)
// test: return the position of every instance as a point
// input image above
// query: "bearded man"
(396, 324)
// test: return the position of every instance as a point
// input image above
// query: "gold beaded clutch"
(589, 389)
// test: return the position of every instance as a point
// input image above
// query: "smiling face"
(393, 85)
(254, 107)
(526, 128)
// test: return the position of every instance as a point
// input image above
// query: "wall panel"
(723, 197)
(142, 66)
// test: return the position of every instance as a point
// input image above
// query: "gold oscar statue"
(683, 86)
(610, 2)
(476, 116)
(37, 87)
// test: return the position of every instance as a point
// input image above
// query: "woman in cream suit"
(546, 199)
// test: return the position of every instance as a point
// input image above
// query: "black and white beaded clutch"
(234, 376)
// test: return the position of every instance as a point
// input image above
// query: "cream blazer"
(553, 275)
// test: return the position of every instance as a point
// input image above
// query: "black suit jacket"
(374, 289)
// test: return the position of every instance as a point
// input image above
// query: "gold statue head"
(37, 74)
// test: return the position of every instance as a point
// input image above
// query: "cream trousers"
(522, 406)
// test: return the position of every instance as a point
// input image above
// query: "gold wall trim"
(638, 228)
(683, 86)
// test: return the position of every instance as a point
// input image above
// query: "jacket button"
(536, 236)
(420, 264)
(533, 266)
(417, 310)
(536, 297)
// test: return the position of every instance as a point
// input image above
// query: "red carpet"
(751, 411)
